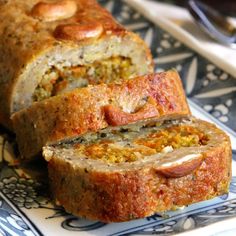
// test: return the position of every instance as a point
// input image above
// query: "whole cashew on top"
(54, 11)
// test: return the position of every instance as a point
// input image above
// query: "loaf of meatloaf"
(95, 107)
(136, 171)
(50, 47)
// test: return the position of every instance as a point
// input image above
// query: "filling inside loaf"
(125, 145)
(56, 81)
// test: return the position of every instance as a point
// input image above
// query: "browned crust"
(22, 41)
(130, 194)
(80, 111)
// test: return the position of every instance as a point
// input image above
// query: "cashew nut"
(54, 11)
(78, 31)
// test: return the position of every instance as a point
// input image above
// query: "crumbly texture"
(29, 48)
(118, 192)
(127, 145)
(90, 109)
(57, 81)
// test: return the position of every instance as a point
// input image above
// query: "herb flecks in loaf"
(122, 145)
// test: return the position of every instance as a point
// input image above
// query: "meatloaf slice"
(90, 109)
(130, 173)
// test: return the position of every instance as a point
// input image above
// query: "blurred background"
(226, 7)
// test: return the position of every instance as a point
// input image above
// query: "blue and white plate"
(25, 207)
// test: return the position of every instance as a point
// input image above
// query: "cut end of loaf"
(127, 144)
(63, 67)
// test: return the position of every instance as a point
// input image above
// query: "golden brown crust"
(80, 111)
(125, 194)
(30, 44)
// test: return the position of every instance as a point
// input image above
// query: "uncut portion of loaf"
(90, 109)
(48, 47)
(114, 192)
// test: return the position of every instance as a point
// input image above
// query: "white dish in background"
(178, 22)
